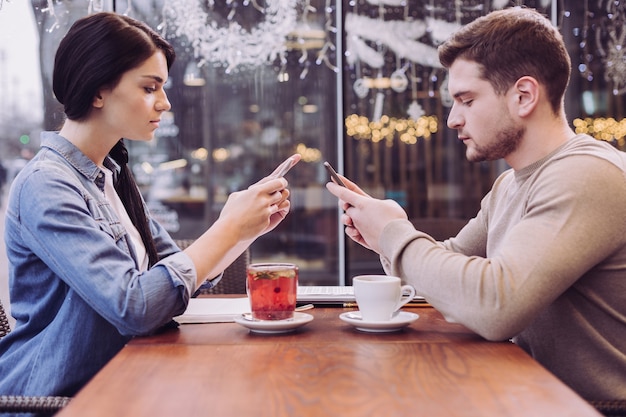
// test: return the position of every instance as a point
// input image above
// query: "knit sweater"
(542, 263)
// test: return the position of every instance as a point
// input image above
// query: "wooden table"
(326, 368)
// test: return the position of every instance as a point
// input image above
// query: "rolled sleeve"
(182, 271)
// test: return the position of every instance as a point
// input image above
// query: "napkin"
(213, 310)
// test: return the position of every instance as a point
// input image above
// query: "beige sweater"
(543, 262)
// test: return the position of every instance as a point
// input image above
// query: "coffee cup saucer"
(274, 326)
(397, 322)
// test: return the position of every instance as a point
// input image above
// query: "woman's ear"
(527, 95)
(98, 102)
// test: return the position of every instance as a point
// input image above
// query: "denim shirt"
(76, 292)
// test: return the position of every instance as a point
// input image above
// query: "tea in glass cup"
(272, 290)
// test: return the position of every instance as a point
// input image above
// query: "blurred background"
(353, 82)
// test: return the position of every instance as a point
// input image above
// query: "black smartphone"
(283, 168)
(333, 174)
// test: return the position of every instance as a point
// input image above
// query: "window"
(354, 82)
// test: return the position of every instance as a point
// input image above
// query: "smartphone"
(283, 168)
(333, 174)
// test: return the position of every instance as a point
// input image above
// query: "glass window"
(248, 89)
(354, 82)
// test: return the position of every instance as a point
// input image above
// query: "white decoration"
(95, 6)
(233, 46)
(399, 81)
(499, 4)
(359, 51)
(613, 53)
(388, 2)
(361, 88)
(378, 106)
(444, 94)
(441, 30)
(415, 111)
(396, 35)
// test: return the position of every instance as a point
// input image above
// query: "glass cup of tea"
(272, 290)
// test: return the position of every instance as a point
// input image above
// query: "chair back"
(610, 408)
(4, 322)
(40, 405)
(234, 279)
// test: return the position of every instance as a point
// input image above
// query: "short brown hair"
(509, 44)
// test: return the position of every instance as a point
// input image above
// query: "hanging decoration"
(324, 55)
(371, 38)
(398, 80)
(284, 29)
(399, 36)
(96, 6)
(50, 9)
(415, 111)
(388, 2)
(232, 45)
(499, 4)
(613, 56)
(310, 38)
(603, 36)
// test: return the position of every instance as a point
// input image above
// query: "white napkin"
(214, 310)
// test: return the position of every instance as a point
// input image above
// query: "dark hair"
(95, 53)
(509, 44)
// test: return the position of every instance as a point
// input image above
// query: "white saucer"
(275, 326)
(398, 322)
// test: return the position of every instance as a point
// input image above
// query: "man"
(544, 260)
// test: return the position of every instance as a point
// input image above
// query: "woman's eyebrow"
(155, 78)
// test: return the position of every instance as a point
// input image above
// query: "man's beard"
(507, 141)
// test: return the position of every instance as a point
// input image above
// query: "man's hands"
(365, 217)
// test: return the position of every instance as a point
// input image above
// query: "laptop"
(333, 294)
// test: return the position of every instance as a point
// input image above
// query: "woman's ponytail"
(131, 198)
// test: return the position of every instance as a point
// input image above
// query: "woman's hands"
(246, 215)
(258, 209)
(261, 207)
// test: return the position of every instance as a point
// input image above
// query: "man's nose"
(454, 118)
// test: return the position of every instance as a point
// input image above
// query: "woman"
(89, 268)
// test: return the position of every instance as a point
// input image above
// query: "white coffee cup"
(379, 296)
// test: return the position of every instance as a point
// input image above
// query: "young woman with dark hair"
(89, 267)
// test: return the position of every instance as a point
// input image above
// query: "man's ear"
(527, 95)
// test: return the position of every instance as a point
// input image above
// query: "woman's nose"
(163, 104)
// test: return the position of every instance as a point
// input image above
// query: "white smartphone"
(333, 174)
(283, 168)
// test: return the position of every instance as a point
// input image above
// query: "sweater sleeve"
(543, 235)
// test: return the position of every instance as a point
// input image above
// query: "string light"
(607, 129)
(308, 154)
(388, 128)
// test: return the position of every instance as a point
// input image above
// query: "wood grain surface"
(326, 368)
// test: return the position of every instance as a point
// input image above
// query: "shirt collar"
(78, 160)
